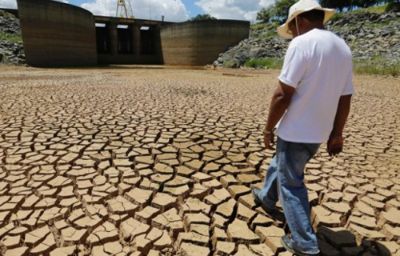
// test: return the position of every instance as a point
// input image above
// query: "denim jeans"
(285, 179)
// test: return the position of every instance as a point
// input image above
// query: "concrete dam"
(57, 34)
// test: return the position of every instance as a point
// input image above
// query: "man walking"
(312, 103)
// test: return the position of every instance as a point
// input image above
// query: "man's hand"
(279, 104)
(335, 142)
(269, 139)
(335, 145)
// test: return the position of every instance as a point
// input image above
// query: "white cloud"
(173, 10)
(233, 9)
(12, 4)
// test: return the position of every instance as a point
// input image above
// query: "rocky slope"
(11, 48)
(370, 36)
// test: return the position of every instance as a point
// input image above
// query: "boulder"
(368, 34)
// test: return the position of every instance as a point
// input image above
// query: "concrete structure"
(199, 43)
(128, 41)
(59, 34)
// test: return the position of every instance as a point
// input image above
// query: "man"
(312, 103)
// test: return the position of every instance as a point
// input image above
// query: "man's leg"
(269, 193)
(294, 197)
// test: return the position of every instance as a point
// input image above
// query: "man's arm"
(335, 143)
(279, 104)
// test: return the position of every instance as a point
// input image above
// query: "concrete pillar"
(157, 39)
(114, 38)
(136, 40)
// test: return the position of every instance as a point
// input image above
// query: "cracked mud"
(161, 162)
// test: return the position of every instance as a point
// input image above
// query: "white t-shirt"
(319, 65)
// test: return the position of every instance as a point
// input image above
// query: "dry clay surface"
(124, 161)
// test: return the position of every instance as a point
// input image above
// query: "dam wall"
(200, 42)
(57, 34)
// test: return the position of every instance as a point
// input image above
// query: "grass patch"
(337, 16)
(230, 64)
(12, 38)
(377, 9)
(268, 63)
(377, 67)
(266, 31)
(258, 26)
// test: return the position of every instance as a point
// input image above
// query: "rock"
(351, 251)
(327, 249)
(391, 216)
(337, 239)
(272, 236)
(224, 248)
(188, 249)
(366, 33)
(10, 52)
(21, 251)
(238, 231)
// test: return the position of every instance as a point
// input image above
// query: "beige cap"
(299, 8)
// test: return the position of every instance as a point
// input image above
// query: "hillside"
(373, 37)
(11, 48)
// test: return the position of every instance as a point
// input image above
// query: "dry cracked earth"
(150, 161)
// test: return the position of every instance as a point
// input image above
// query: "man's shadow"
(343, 243)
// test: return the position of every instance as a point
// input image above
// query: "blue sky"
(190, 5)
(192, 8)
(172, 10)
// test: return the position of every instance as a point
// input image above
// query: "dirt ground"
(160, 161)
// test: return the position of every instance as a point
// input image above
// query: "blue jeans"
(285, 179)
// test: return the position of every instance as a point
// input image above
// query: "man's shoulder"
(306, 38)
(317, 36)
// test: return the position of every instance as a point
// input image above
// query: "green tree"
(282, 9)
(365, 3)
(338, 4)
(203, 17)
(277, 12)
(265, 14)
(393, 5)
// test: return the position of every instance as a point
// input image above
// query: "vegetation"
(393, 5)
(375, 66)
(351, 4)
(265, 30)
(202, 17)
(268, 63)
(12, 38)
(278, 12)
(379, 9)
(230, 64)
(271, 17)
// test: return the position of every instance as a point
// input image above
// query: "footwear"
(286, 242)
(255, 192)
(258, 201)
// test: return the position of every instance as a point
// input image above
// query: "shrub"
(269, 63)
(377, 66)
(11, 38)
